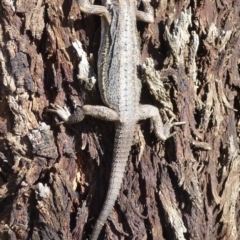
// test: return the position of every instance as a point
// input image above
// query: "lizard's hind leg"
(100, 112)
(162, 131)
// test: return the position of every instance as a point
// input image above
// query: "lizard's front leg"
(100, 112)
(162, 131)
(87, 7)
(146, 15)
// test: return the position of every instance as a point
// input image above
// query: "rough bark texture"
(54, 179)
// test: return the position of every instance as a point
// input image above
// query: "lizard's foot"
(167, 127)
(162, 131)
(62, 112)
(65, 115)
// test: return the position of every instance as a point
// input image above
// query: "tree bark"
(54, 178)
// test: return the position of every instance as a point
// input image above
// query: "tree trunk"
(54, 178)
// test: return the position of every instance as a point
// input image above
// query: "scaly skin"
(120, 88)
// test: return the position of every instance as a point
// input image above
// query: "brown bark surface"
(53, 179)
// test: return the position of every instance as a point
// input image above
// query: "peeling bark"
(54, 178)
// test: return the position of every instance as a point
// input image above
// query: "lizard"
(120, 88)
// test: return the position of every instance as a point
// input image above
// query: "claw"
(170, 121)
(62, 112)
(178, 123)
(59, 123)
(168, 126)
(172, 134)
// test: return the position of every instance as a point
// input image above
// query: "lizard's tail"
(122, 146)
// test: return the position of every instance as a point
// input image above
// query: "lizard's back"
(120, 86)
